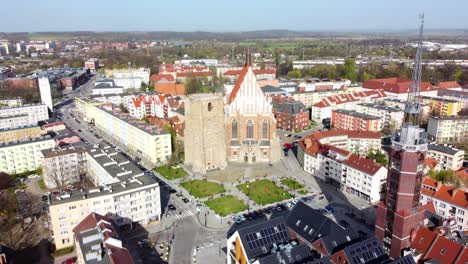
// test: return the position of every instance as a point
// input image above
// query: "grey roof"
(443, 149)
(291, 108)
(404, 260)
(356, 114)
(312, 225)
(258, 239)
(106, 86)
(367, 251)
(449, 117)
(381, 107)
(127, 176)
(60, 151)
(271, 89)
(141, 125)
(288, 254)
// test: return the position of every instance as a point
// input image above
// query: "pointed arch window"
(249, 129)
(234, 129)
(265, 129)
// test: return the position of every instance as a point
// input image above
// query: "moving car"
(171, 207)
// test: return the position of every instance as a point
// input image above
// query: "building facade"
(449, 202)
(25, 115)
(448, 130)
(447, 158)
(441, 106)
(20, 134)
(291, 115)
(62, 166)
(125, 194)
(23, 156)
(391, 117)
(250, 123)
(205, 135)
(353, 120)
(146, 142)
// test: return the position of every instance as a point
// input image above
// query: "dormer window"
(298, 222)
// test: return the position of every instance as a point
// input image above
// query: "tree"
(294, 74)
(192, 85)
(350, 69)
(378, 157)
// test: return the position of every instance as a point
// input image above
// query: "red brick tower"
(400, 212)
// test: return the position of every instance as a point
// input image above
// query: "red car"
(288, 145)
(71, 260)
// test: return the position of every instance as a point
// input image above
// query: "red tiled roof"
(256, 72)
(447, 85)
(365, 165)
(350, 133)
(444, 250)
(53, 125)
(121, 256)
(195, 74)
(395, 85)
(160, 77)
(462, 174)
(454, 196)
(430, 182)
(349, 97)
(328, 148)
(89, 222)
(430, 162)
(238, 84)
(463, 257)
(423, 239)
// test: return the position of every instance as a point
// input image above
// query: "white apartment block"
(392, 118)
(125, 194)
(25, 115)
(22, 156)
(450, 203)
(143, 74)
(448, 129)
(62, 166)
(103, 90)
(357, 142)
(352, 174)
(447, 158)
(161, 106)
(128, 83)
(147, 142)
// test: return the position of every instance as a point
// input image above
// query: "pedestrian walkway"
(181, 215)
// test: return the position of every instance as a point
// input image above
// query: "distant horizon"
(239, 16)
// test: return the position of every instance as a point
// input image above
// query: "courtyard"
(202, 188)
(264, 192)
(226, 205)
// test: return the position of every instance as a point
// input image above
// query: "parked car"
(288, 135)
(171, 207)
(288, 145)
(71, 260)
(185, 200)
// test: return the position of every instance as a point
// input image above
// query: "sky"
(232, 15)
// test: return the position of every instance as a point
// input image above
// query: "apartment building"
(357, 142)
(353, 120)
(142, 74)
(97, 240)
(355, 175)
(92, 64)
(62, 166)
(441, 106)
(447, 158)
(401, 103)
(8, 135)
(391, 117)
(460, 96)
(449, 202)
(397, 88)
(162, 106)
(125, 194)
(13, 102)
(147, 142)
(448, 129)
(22, 156)
(25, 115)
(309, 98)
(322, 110)
(108, 88)
(290, 115)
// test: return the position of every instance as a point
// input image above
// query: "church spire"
(247, 57)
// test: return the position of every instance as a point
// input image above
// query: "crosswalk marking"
(185, 213)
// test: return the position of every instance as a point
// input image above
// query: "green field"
(171, 173)
(226, 205)
(291, 183)
(201, 188)
(264, 192)
(45, 36)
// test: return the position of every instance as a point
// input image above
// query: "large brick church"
(250, 124)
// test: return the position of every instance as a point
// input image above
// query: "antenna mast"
(413, 104)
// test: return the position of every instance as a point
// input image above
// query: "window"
(234, 129)
(210, 107)
(249, 129)
(265, 129)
